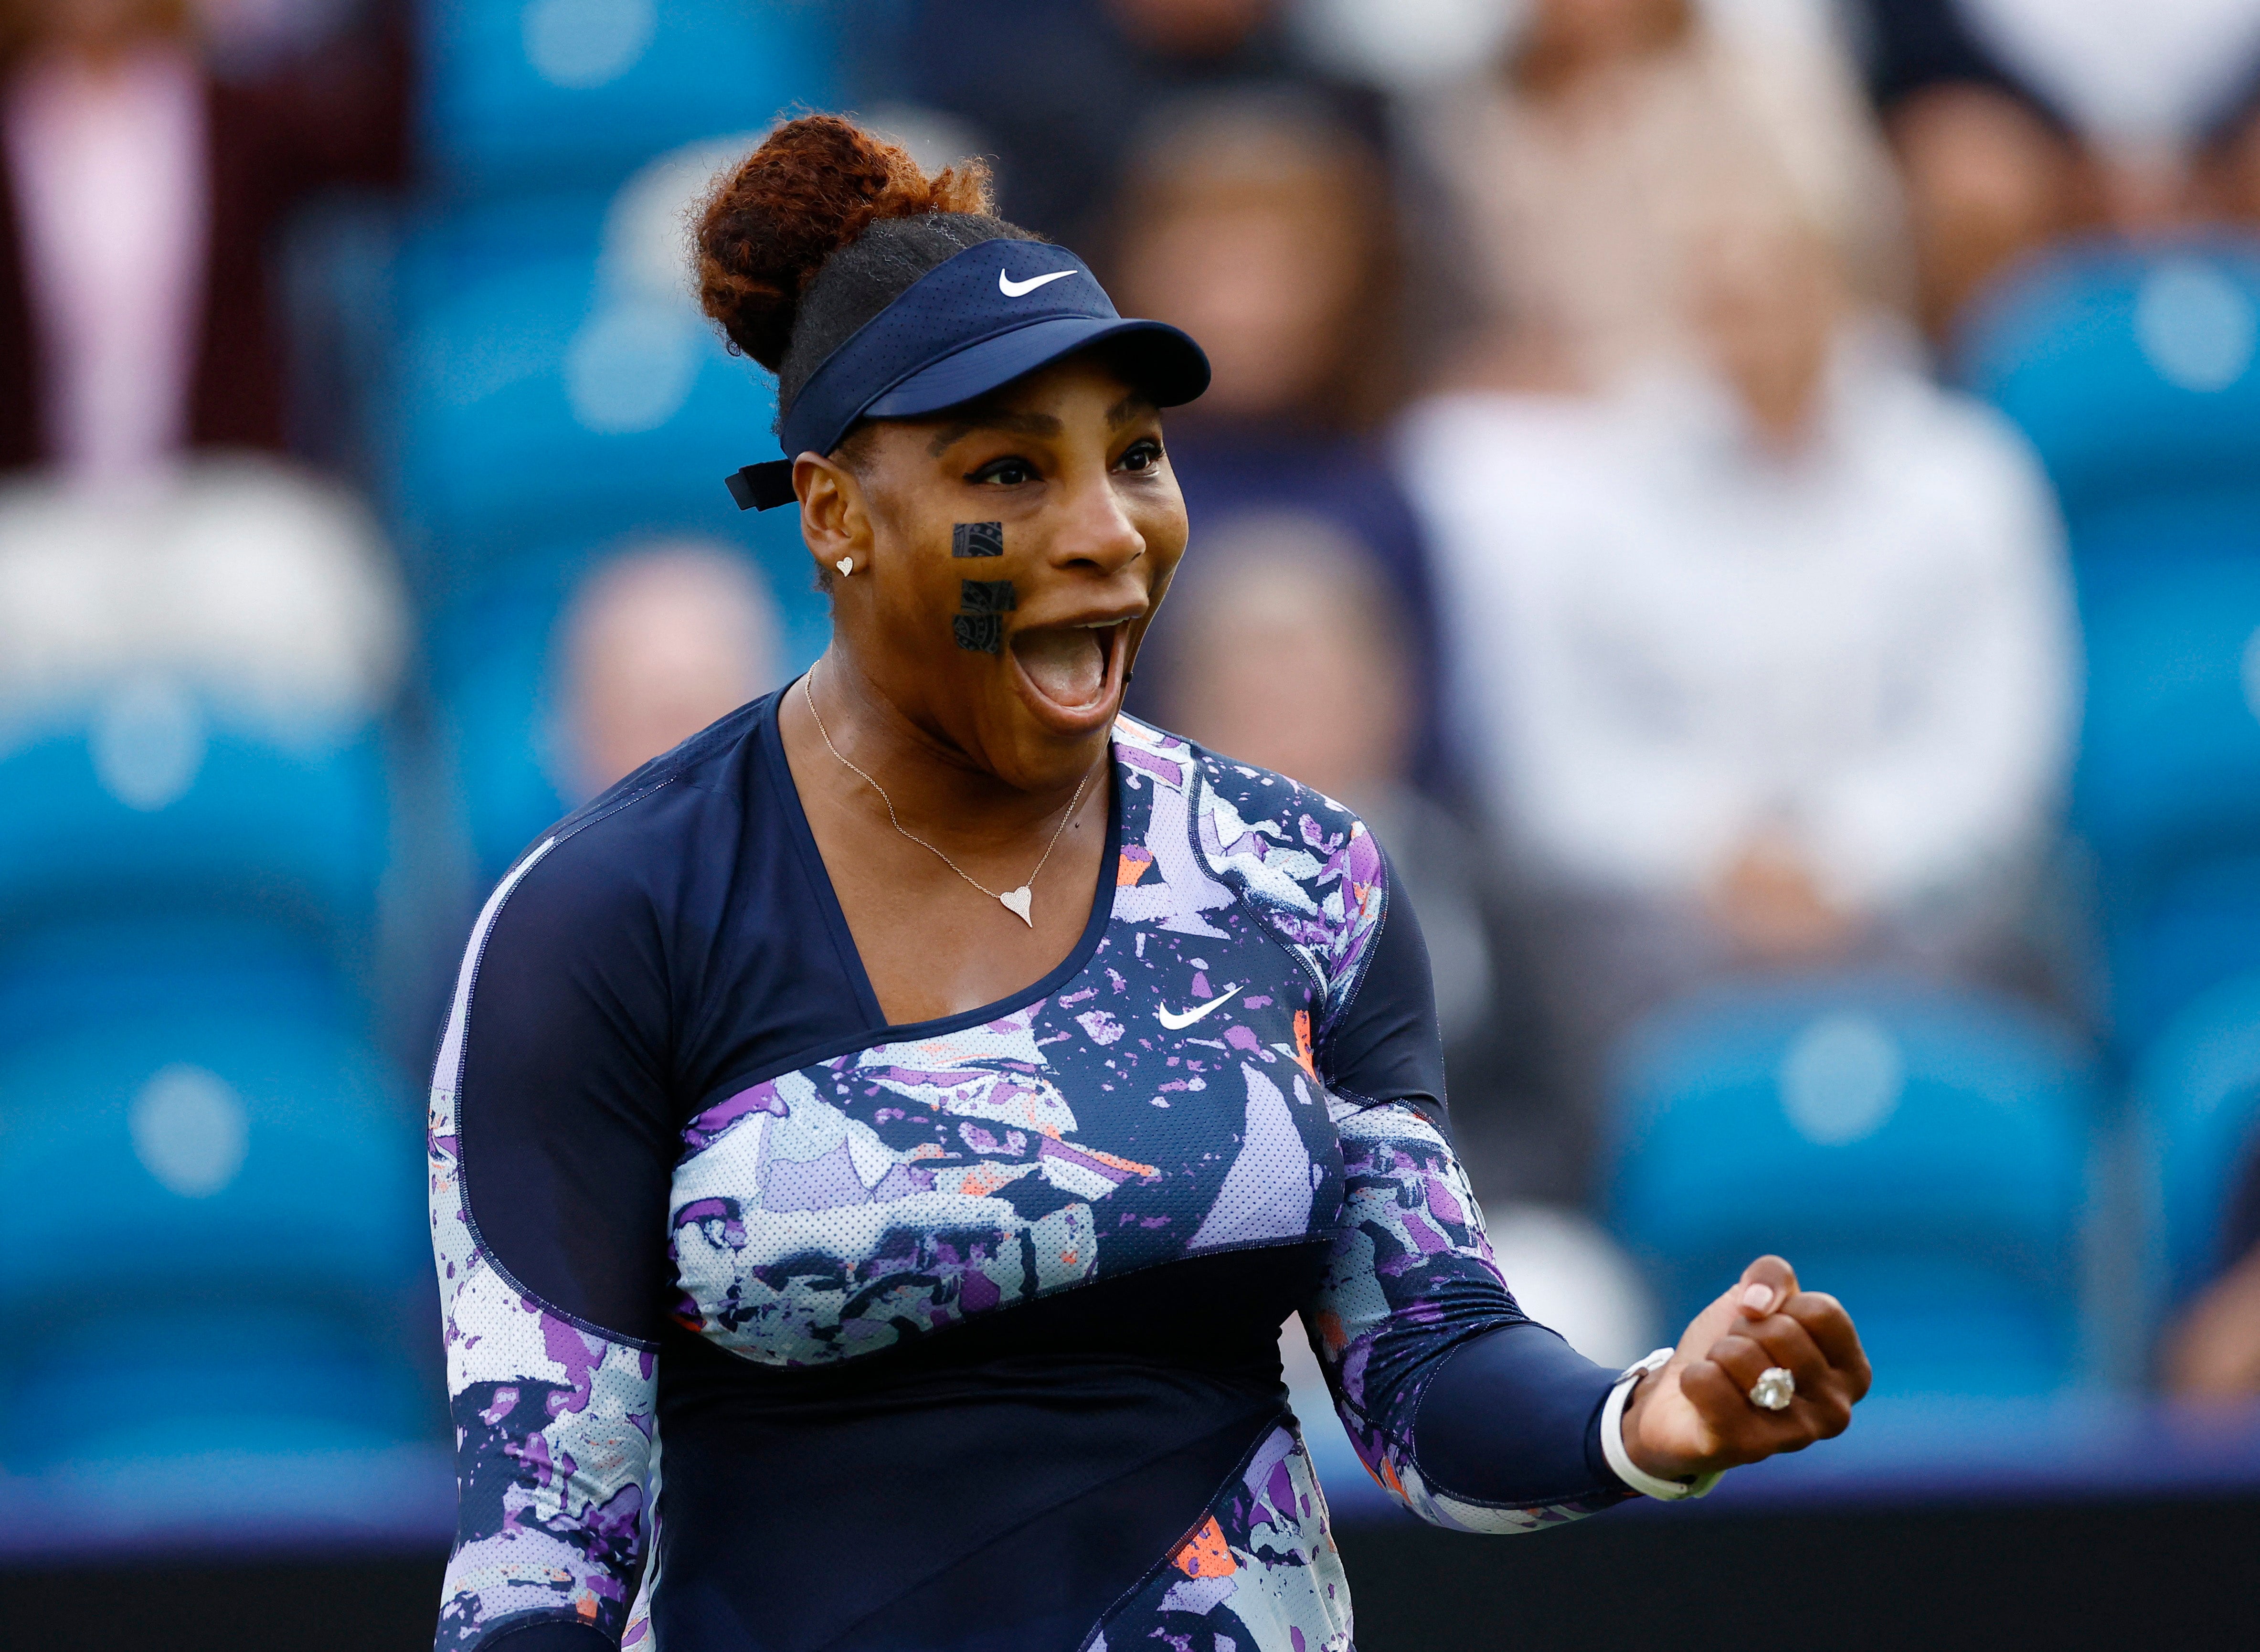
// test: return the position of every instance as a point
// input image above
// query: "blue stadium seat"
(545, 398)
(1920, 1155)
(2198, 929)
(225, 1151)
(523, 93)
(216, 1300)
(75, 977)
(491, 671)
(167, 1381)
(144, 807)
(212, 1247)
(2169, 765)
(2132, 369)
(172, 1425)
(2196, 1095)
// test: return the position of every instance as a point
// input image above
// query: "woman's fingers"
(1744, 1360)
(1710, 1390)
(1833, 1333)
(1785, 1344)
(1767, 1284)
(1762, 1322)
(1718, 1387)
(1719, 1390)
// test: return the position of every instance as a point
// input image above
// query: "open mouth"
(1073, 668)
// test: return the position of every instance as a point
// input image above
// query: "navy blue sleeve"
(566, 1110)
(1514, 1416)
(1475, 1417)
(1472, 1415)
(1385, 1045)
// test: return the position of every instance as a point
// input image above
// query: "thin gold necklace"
(1015, 901)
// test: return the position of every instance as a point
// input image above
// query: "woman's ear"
(833, 521)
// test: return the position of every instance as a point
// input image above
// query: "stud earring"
(846, 565)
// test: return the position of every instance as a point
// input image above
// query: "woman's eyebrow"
(1018, 423)
(1129, 408)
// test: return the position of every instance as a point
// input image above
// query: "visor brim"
(1157, 358)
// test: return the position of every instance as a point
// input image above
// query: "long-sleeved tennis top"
(772, 1326)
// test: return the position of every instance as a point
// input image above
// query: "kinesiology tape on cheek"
(979, 633)
(986, 597)
(977, 538)
(981, 603)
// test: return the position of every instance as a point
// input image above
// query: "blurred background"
(1758, 501)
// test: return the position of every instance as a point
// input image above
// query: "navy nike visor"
(978, 321)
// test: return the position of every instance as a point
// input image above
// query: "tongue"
(1068, 667)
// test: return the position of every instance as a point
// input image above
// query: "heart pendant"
(1017, 902)
(846, 565)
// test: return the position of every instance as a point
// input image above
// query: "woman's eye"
(1142, 455)
(1006, 473)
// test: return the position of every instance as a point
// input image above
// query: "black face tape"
(980, 602)
(986, 597)
(979, 633)
(977, 538)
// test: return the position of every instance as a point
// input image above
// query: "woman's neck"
(938, 789)
(976, 887)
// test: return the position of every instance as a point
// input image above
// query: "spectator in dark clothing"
(2227, 172)
(1232, 472)
(1263, 221)
(1056, 90)
(140, 203)
(2021, 121)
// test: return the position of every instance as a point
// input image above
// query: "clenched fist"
(1695, 1415)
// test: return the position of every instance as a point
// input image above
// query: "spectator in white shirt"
(1769, 660)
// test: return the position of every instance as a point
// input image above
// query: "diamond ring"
(1772, 1389)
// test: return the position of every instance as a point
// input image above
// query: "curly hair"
(821, 228)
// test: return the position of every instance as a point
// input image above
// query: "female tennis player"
(874, 1145)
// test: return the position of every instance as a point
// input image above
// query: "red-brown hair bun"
(814, 186)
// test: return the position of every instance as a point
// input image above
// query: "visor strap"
(762, 487)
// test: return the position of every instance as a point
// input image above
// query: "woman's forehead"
(1055, 401)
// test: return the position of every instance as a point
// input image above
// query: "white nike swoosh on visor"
(1013, 289)
(1173, 1021)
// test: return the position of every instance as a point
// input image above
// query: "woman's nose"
(1096, 531)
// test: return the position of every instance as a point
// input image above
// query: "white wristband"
(1612, 1445)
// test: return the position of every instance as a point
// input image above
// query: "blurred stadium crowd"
(1757, 500)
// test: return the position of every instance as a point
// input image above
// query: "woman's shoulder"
(1187, 766)
(1304, 862)
(642, 835)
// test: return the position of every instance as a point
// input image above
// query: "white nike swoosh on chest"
(1013, 289)
(1174, 1019)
